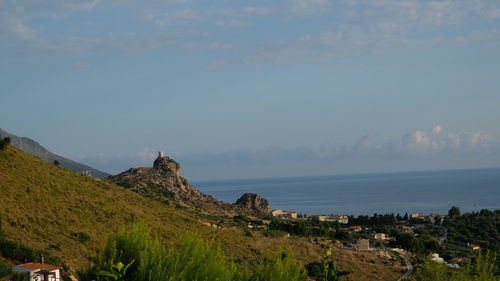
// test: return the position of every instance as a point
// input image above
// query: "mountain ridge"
(34, 148)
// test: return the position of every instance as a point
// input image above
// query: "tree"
(431, 271)
(326, 270)
(4, 270)
(437, 220)
(56, 163)
(454, 211)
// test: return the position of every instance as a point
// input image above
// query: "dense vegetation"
(478, 228)
(311, 227)
(483, 268)
(4, 143)
(137, 256)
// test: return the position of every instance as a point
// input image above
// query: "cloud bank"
(433, 149)
(341, 29)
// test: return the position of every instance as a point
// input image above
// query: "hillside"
(34, 148)
(50, 208)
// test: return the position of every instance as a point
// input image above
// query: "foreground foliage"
(137, 256)
(484, 268)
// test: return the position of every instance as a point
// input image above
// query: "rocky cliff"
(163, 182)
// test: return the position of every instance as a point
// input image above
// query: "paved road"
(409, 268)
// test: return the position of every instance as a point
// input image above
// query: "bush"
(82, 237)
(278, 267)
(326, 270)
(431, 271)
(4, 270)
(274, 233)
(485, 268)
(4, 143)
(16, 251)
(137, 256)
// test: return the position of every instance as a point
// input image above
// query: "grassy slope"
(43, 206)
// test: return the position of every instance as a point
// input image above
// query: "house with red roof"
(39, 271)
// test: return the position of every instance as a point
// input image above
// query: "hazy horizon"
(252, 89)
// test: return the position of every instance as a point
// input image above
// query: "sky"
(254, 88)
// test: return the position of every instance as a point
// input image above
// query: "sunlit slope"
(56, 210)
(70, 216)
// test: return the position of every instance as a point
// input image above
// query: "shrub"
(82, 237)
(16, 251)
(4, 143)
(136, 256)
(431, 271)
(485, 268)
(4, 270)
(326, 270)
(278, 267)
(274, 233)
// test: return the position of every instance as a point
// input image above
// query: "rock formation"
(254, 202)
(164, 183)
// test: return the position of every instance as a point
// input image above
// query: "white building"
(381, 236)
(417, 216)
(435, 257)
(333, 218)
(39, 271)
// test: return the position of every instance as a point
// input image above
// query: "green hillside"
(69, 215)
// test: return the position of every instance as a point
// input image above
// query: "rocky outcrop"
(254, 202)
(163, 182)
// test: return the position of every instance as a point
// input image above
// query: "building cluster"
(284, 214)
(334, 218)
(431, 217)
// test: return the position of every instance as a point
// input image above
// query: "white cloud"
(348, 27)
(146, 155)
(434, 141)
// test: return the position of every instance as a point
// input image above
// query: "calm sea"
(426, 192)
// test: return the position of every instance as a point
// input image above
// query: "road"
(409, 266)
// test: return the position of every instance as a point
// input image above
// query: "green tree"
(437, 220)
(431, 271)
(278, 267)
(454, 211)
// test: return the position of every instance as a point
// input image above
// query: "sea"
(366, 194)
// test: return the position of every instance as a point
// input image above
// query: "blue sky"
(253, 88)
